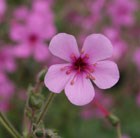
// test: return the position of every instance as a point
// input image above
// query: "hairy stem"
(113, 119)
(118, 129)
(10, 128)
(45, 108)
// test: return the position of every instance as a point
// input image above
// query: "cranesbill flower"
(81, 67)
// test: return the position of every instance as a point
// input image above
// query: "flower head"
(32, 32)
(81, 67)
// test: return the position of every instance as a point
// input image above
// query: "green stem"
(5, 122)
(45, 108)
(118, 129)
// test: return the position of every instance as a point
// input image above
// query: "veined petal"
(56, 79)
(63, 46)
(81, 92)
(106, 74)
(98, 47)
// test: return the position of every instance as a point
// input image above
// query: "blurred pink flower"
(31, 36)
(136, 58)
(122, 12)
(95, 8)
(81, 67)
(7, 60)
(31, 39)
(87, 22)
(90, 111)
(6, 92)
(43, 9)
(119, 45)
(3, 7)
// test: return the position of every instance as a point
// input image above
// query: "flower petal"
(106, 74)
(22, 51)
(98, 47)
(41, 52)
(63, 46)
(18, 33)
(56, 79)
(81, 92)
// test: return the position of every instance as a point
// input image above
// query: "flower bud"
(113, 119)
(35, 101)
(39, 134)
(41, 75)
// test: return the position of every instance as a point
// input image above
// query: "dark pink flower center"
(33, 38)
(80, 66)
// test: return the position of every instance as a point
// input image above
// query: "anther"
(94, 64)
(91, 70)
(68, 72)
(86, 56)
(73, 57)
(72, 82)
(64, 68)
(82, 51)
(91, 77)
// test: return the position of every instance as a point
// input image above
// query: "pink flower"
(7, 61)
(81, 68)
(30, 38)
(6, 92)
(122, 12)
(136, 58)
(32, 33)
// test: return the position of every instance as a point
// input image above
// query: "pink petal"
(56, 79)
(98, 47)
(41, 52)
(22, 51)
(18, 32)
(106, 74)
(63, 46)
(81, 92)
